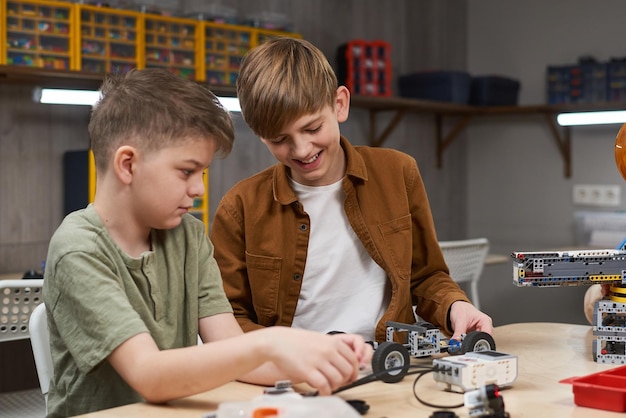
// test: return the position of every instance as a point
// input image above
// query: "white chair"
(40, 341)
(466, 259)
(18, 299)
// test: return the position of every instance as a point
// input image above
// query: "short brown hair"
(152, 109)
(281, 80)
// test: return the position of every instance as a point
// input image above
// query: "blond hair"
(281, 80)
(153, 109)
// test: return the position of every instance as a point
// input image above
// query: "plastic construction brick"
(603, 390)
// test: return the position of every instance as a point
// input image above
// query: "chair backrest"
(40, 341)
(466, 259)
(18, 299)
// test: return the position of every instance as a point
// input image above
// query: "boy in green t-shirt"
(131, 281)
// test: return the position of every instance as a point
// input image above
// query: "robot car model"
(422, 340)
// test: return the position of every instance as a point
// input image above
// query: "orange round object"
(265, 412)
(620, 151)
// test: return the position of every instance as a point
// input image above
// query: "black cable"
(431, 405)
(376, 376)
(420, 370)
(366, 379)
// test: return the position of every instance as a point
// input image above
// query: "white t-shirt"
(343, 289)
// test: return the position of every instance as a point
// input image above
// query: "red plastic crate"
(603, 390)
(365, 67)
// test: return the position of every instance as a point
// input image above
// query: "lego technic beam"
(569, 268)
(585, 267)
(609, 328)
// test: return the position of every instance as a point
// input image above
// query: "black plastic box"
(75, 180)
(443, 86)
(494, 91)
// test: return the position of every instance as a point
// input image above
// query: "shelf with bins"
(464, 114)
(225, 46)
(397, 106)
(99, 40)
(263, 35)
(172, 43)
(38, 33)
(108, 40)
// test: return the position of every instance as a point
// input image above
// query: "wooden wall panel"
(33, 138)
(248, 156)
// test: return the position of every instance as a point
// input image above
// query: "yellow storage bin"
(225, 46)
(37, 34)
(172, 43)
(3, 55)
(108, 40)
(263, 35)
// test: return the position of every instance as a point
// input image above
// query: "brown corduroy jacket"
(260, 233)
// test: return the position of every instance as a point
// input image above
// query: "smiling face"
(310, 147)
(166, 182)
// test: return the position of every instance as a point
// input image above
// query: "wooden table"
(547, 353)
(491, 259)
(11, 276)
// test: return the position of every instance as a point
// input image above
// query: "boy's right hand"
(324, 362)
(593, 294)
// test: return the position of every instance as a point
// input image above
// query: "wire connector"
(485, 402)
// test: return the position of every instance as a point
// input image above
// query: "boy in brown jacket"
(334, 237)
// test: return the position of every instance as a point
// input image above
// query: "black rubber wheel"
(391, 355)
(477, 341)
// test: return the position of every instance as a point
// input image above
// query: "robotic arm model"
(587, 267)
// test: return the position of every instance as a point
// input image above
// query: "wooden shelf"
(398, 106)
(464, 114)
(44, 77)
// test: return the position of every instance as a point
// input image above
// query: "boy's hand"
(464, 318)
(325, 362)
(593, 294)
(362, 349)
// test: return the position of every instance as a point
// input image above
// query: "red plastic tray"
(603, 390)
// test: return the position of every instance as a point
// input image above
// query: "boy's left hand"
(464, 318)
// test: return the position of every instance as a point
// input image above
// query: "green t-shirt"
(97, 297)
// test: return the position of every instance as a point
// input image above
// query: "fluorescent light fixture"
(90, 97)
(591, 118)
(230, 103)
(63, 96)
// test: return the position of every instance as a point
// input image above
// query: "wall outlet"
(596, 195)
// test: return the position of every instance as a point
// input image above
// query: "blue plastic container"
(494, 91)
(442, 86)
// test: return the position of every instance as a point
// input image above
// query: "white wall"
(517, 194)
